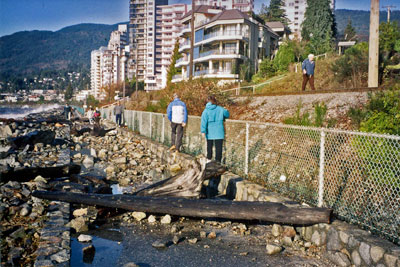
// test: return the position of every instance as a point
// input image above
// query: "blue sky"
(20, 15)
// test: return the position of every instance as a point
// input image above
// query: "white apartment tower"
(143, 35)
(170, 27)
(108, 64)
(295, 10)
(242, 5)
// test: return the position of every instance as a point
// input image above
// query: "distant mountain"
(31, 51)
(360, 20)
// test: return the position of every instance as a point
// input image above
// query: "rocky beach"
(45, 152)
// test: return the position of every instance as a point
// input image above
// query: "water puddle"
(118, 189)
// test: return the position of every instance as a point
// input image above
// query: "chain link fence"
(356, 174)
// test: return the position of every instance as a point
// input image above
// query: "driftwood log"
(187, 184)
(27, 174)
(204, 208)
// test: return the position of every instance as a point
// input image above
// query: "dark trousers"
(307, 78)
(218, 149)
(118, 119)
(176, 135)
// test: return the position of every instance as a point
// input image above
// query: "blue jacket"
(177, 112)
(308, 66)
(212, 121)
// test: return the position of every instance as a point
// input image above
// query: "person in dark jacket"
(67, 111)
(212, 127)
(308, 68)
(118, 110)
(177, 115)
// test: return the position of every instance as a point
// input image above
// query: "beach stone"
(88, 161)
(390, 260)
(25, 211)
(79, 224)
(365, 252)
(77, 156)
(339, 259)
(158, 244)
(203, 234)
(130, 264)
(110, 169)
(166, 219)
(84, 238)
(175, 239)
(102, 153)
(287, 241)
(138, 215)
(78, 147)
(316, 239)
(276, 230)
(192, 240)
(212, 235)
(40, 179)
(174, 229)
(289, 231)
(80, 212)
(60, 257)
(151, 219)
(93, 153)
(5, 131)
(377, 253)
(356, 258)
(120, 160)
(333, 241)
(273, 249)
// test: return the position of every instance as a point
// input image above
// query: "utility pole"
(192, 40)
(388, 11)
(373, 45)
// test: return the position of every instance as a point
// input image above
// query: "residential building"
(170, 26)
(295, 10)
(108, 64)
(143, 38)
(242, 5)
(279, 28)
(224, 40)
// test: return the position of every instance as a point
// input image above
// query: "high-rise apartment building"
(242, 5)
(143, 39)
(295, 10)
(108, 64)
(170, 27)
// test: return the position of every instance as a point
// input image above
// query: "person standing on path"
(177, 115)
(67, 111)
(308, 68)
(118, 110)
(212, 127)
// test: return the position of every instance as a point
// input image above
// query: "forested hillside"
(31, 51)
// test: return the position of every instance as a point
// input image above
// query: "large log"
(203, 208)
(27, 174)
(187, 184)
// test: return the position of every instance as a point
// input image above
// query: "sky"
(21, 15)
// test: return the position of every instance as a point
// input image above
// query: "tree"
(172, 70)
(68, 92)
(274, 12)
(349, 32)
(319, 25)
(284, 57)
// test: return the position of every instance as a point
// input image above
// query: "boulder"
(166, 219)
(273, 249)
(84, 238)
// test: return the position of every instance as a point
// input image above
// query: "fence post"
(246, 163)
(321, 170)
(163, 129)
(254, 89)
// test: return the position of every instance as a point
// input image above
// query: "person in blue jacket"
(212, 127)
(177, 115)
(308, 68)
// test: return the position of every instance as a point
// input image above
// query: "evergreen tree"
(274, 12)
(68, 92)
(319, 25)
(172, 70)
(349, 32)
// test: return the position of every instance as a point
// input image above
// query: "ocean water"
(19, 112)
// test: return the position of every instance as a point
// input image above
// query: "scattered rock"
(60, 257)
(212, 235)
(273, 249)
(79, 224)
(192, 240)
(339, 258)
(159, 244)
(175, 239)
(276, 230)
(287, 241)
(175, 229)
(151, 219)
(138, 215)
(289, 231)
(166, 219)
(40, 179)
(88, 161)
(175, 168)
(130, 264)
(80, 212)
(120, 160)
(203, 234)
(25, 211)
(84, 238)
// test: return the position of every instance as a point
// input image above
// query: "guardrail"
(354, 173)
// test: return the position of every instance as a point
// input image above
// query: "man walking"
(308, 68)
(177, 114)
(118, 109)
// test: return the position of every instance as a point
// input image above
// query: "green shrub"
(284, 57)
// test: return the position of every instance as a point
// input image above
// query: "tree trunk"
(203, 208)
(187, 184)
(27, 174)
